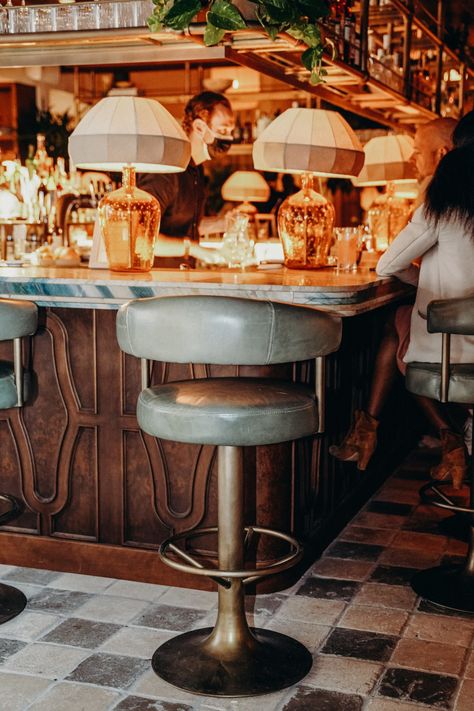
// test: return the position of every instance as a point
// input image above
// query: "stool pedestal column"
(231, 659)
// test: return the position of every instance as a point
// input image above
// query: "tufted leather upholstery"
(223, 330)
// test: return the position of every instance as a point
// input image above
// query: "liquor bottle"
(237, 133)
(41, 156)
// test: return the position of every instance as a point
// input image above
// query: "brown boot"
(453, 459)
(360, 442)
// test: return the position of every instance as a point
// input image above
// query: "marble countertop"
(81, 287)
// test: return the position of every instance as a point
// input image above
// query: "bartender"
(209, 123)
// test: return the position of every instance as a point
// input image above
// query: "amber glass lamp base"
(305, 227)
(129, 220)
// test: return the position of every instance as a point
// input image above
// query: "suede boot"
(453, 462)
(360, 442)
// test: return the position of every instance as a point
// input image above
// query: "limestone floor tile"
(136, 641)
(425, 542)
(306, 698)
(136, 591)
(116, 671)
(368, 519)
(342, 674)
(82, 583)
(429, 656)
(379, 536)
(49, 660)
(34, 576)
(4, 569)
(68, 696)
(469, 671)
(18, 690)
(312, 636)
(409, 558)
(465, 700)
(29, 625)
(455, 547)
(61, 602)
(388, 705)
(311, 609)
(385, 621)
(344, 569)
(107, 608)
(400, 495)
(150, 684)
(197, 599)
(435, 628)
(380, 595)
(140, 703)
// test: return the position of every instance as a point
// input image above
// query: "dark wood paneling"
(100, 495)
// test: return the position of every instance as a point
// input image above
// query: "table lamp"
(246, 186)
(388, 162)
(310, 142)
(129, 134)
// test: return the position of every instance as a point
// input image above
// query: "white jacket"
(446, 272)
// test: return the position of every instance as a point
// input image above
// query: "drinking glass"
(347, 247)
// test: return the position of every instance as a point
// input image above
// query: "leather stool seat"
(8, 389)
(228, 411)
(425, 379)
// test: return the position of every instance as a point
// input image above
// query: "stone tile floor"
(84, 643)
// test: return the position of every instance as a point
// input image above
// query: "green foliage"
(298, 18)
(56, 129)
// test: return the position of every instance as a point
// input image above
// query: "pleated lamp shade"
(309, 141)
(131, 130)
(246, 186)
(387, 159)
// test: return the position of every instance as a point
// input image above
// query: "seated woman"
(441, 235)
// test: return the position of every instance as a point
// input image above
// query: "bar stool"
(230, 413)
(449, 585)
(17, 319)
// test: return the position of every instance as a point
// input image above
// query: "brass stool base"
(274, 662)
(447, 585)
(12, 602)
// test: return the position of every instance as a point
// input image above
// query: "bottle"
(41, 156)
(237, 132)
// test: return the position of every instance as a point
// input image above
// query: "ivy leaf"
(181, 14)
(282, 14)
(154, 24)
(212, 35)
(310, 57)
(225, 16)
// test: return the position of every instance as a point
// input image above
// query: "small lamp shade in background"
(131, 134)
(246, 186)
(308, 141)
(388, 162)
(387, 159)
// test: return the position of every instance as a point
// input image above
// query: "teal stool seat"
(231, 413)
(236, 412)
(17, 319)
(449, 585)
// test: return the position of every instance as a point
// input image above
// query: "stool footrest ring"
(443, 501)
(196, 568)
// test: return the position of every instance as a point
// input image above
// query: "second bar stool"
(231, 413)
(17, 319)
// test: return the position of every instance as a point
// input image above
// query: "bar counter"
(100, 495)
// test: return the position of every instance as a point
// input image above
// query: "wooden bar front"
(100, 495)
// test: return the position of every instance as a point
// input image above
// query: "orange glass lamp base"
(129, 220)
(305, 227)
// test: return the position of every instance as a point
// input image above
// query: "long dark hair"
(202, 106)
(450, 195)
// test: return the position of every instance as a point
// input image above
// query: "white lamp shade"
(246, 185)
(387, 159)
(131, 130)
(310, 141)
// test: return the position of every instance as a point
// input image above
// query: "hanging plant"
(297, 18)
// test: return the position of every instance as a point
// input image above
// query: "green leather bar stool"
(17, 319)
(449, 585)
(230, 413)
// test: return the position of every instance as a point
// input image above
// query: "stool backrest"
(224, 330)
(452, 316)
(17, 319)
